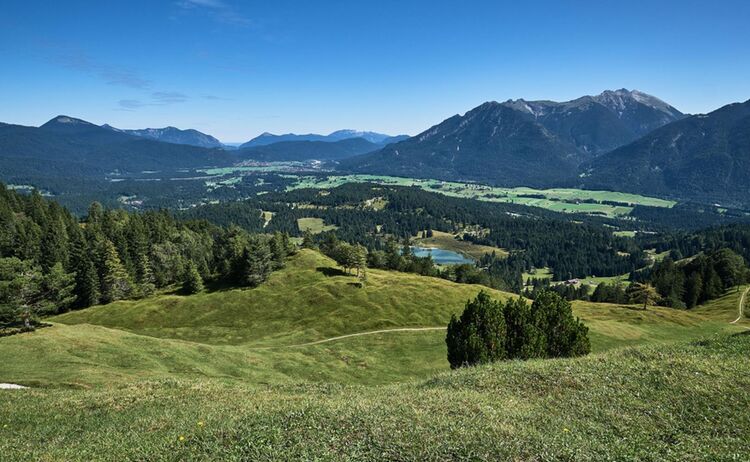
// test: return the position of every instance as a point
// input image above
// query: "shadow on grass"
(330, 272)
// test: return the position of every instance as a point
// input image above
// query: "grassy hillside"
(261, 335)
(680, 402)
(309, 300)
(87, 356)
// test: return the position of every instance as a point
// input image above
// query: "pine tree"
(524, 338)
(565, 335)
(643, 293)
(116, 283)
(86, 277)
(146, 280)
(192, 282)
(59, 289)
(478, 335)
(257, 263)
(307, 240)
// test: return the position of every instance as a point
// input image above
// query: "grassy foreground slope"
(86, 356)
(679, 402)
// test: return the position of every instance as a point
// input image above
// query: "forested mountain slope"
(307, 150)
(704, 158)
(68, 147)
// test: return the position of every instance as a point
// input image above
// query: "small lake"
(441, 256)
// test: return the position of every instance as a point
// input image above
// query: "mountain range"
(66, 147)
(373, 137)
(618, 140)
(522, 143)
(173, 135)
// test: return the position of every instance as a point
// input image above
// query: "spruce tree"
(257, 263)
(87, 285)
(116, 283)
(59, 289)
(192, 282)
(307, 240)
(146, 280)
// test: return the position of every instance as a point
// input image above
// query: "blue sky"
(235, 69)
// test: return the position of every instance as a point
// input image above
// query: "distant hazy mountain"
(376, 138)
(173, 135)
(702, 157)
(518, 142)
(372, 137)
(307, 150)
(66, 147)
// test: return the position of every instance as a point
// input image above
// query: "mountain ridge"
(519, 142)
(267, 138)
(173, 135)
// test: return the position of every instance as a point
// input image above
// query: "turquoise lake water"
(440, 256)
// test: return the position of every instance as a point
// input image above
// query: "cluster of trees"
(705, 277)
(566, 291)
(394, 257)
(51, 262)
(489, 330)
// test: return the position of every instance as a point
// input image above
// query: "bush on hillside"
(489, 330)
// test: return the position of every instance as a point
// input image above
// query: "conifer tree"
(525, 339)
(87, 283)
(307, 240)
(115, 281)
(478, 336)
(643, 293)
(146, 280)
(59, 289)
(192, 282)
(257, 263)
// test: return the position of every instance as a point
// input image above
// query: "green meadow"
(559, 200)
(312, 366)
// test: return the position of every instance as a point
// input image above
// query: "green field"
(539, 273)
(554, 199)
(259, 374)
(314, 225)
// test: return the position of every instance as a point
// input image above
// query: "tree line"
(51, 262)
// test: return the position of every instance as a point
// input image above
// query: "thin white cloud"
(218, 10)
(158, 98)
(110, 74)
